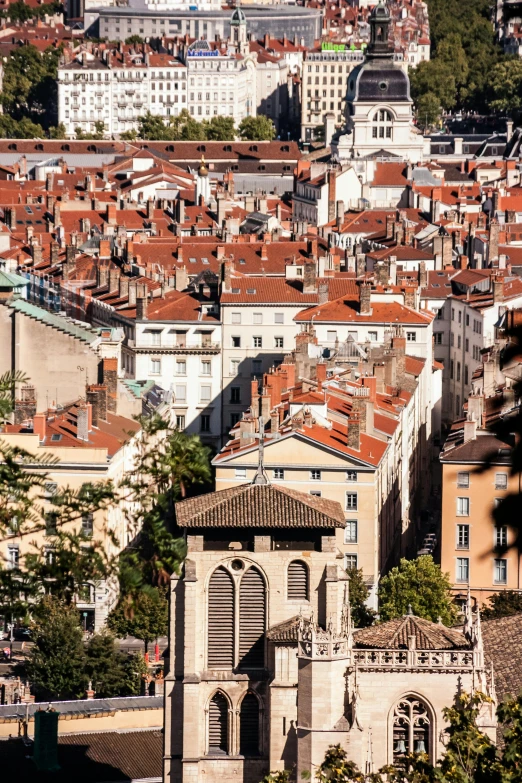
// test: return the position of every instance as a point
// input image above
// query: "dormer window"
(382, 124)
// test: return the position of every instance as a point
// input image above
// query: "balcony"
(173, 346)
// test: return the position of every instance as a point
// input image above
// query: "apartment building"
(89, 444)
(323, 87)
(478, 551)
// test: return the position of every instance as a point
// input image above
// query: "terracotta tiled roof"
(395, 634)
(284, 632)
(382, 312)
(259, 505)
(503, 648)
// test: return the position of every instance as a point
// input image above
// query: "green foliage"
(8, 383)
(428, 110)
(112, 672)
(146, 619)
(22, 12)
(505, 86)
(55, 664)
(258, 128)
(30, 84)
(130, 135)
(19, 129)
(362, 615)
(282, 776)
(470, 754)
(58, 131)
(420, 584)
(134, 39)
(220, 129)
(99, 132)
(504, 604)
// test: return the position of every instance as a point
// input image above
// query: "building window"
(257, 366)
(438, 337)
(279, 318)
(463, 507)
(258, 342)
(13, 557)
(180, 392)
(205, 423)
(180, 423)
(236, 342)
(297, 585)
(372, 337)
(87, 525)
(316, 493)
(206, 368)
(382, 125)
(51, 519)
(252, 618)
(279, 342)
(411, 337)
(50, 489)
(249, 726)
(235, 394)
(155, 366)
(463, 480)
(350, 562)
(351, 501)
(279, 474)
(218, 725)
(221, 625)
(181, 368)
(315, 475)
(351, 475)
(462, 569)
(501, 480)
(205, 394)
(350, 531)
(236, 318)
(241, 473)
(234, 418)
(234, 367)
(411, 728)
(257, 318)
(500, 536)
(462, 536)
(500, 571)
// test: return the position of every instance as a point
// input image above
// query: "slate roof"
(394, 634)
(503, 648)
(259, 505)
(90, 758)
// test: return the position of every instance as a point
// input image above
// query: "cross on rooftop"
(260, 476)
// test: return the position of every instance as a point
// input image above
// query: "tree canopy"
(259, 128)
(421, 585)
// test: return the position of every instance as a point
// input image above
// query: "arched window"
(382, 124)
(249, 726)
(252, 598)
(411, 728)
(221, 620)
(297, 587)
(218, 725)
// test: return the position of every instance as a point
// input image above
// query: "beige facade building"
(265, 670)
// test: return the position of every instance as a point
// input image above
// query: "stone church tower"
(265, 670)
(379, 105)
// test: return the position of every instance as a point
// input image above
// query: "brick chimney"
(494, 231)
(332, 187)
(320, 373)
(309, 277)
(354, 433)
(40, 425)
(84, 422)
(476, 408)
(423, 274)
(399, 347)
(365, 299)
(123, 291)
(110, 381)
(470, 429)
(111, 213)
(141, 308)
(97, 398)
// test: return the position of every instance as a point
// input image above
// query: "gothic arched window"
(411, 728)
(218, 725)
(382, 124)
(297, 587)
(249, 726)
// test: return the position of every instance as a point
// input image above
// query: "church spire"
(380, 22)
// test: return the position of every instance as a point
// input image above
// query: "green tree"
(220, 129)
(30, 84)
(470, 755)
(428, 110)
(112, 672)
(420, 584)
(99, 132)
(58, 131)
(435, 77)
(55, 665)
(192, 130)
(130, 135)
(504, 604)
(258, 128)
(505, 86)
(134, 39)
(147, 621)
(362, 615)
(152, 127)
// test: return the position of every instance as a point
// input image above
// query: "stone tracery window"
(411, 728)
(382, 124)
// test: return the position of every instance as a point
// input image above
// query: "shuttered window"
(221, 620)
(218, 725)
(249, 726)
(252, 620)
(297, 581)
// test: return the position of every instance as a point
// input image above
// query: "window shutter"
(221, 620)
(252, 620)
(218, 724)
(297, 581)
(249, 726)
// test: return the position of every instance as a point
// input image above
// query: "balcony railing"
(173, 345)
